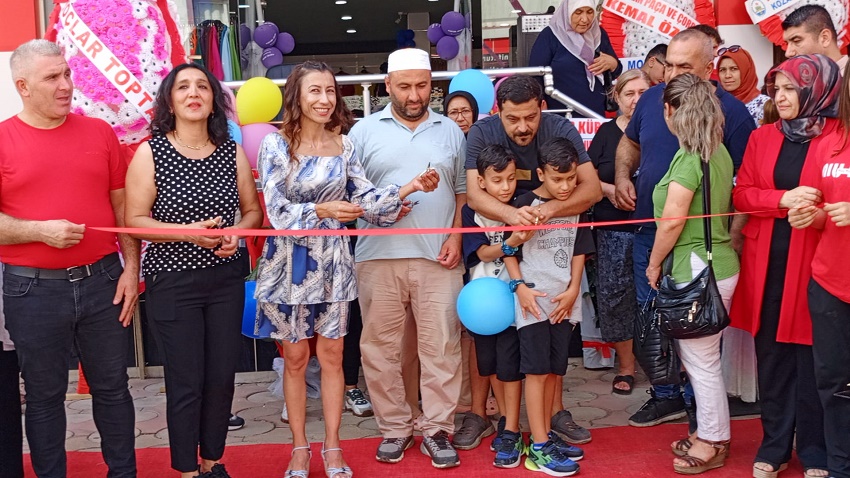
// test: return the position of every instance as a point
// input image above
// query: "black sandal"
(627, 379)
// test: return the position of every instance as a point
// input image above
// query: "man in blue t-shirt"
(521, 126)
(690, 51)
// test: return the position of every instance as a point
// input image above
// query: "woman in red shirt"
(770, 301)
(829, 296)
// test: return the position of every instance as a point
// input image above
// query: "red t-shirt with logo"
(62, 173)
(831, 264)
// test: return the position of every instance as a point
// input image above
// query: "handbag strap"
(706, 208)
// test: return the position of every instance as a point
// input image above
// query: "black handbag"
(611, 104)
(654, 351)
(697, 309)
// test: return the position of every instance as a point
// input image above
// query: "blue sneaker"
(572, 452)
(511, 449)
(550, 460)
(500, 428)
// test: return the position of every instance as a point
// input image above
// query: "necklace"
(196, 148)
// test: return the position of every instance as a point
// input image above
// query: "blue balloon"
(235, 131)
(250, 328)
(478, 85)
(486, 306)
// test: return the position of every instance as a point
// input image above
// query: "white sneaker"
(358, 403)
(284, 416)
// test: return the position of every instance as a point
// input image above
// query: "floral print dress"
(305, 284)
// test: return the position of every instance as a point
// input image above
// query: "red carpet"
(618, 451)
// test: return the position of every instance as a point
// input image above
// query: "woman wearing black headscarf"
(461, 108)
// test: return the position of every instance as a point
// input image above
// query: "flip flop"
(627, 379)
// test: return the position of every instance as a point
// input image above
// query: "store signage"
(763, 9)
(105, 61)
(657, 15)
(631, 62)
(587, 128)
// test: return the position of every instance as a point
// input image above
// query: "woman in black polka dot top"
(192, 175)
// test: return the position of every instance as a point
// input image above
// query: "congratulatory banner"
(657, 15)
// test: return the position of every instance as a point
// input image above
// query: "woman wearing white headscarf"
(579, 52)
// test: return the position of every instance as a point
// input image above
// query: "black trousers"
(831, 337)
(788, 395)
(351, 345)
(11, 431)
(196, 316)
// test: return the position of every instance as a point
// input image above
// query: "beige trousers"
(392, 292)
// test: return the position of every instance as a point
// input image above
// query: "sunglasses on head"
(731, 49)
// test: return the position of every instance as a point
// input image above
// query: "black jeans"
(196, 316)
(351, 345)
(11, 436)
(46, 318)
(831, 347)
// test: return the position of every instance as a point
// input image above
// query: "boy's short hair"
(559, 153)
(494, 156)
(658, 51)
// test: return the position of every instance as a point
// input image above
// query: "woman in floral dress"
(312, 180)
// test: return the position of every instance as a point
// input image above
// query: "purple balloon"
(452, 23)
(265, 35)
(448, 47)
(435, 32)
(244, 35)
(285, 43)
(272, 57)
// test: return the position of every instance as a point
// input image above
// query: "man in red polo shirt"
(63, 284)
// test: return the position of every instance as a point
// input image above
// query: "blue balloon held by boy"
(486, 306)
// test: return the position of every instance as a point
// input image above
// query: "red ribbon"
(387, 231)
(603, 347)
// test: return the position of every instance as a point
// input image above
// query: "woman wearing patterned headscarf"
(771, 300)
(579, 52)
(737, 73)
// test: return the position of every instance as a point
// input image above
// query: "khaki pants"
(391, 292)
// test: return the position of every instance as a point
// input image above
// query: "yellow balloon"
(258, 101)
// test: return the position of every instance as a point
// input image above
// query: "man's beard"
(401, 109)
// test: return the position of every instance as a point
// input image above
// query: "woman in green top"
(693, 114)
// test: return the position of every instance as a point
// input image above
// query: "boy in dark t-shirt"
(484, 253)
(548, 283)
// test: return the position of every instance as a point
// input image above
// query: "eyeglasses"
(466, 112)
(731, 49)
(659, 61)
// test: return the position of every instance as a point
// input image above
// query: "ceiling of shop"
(319, 29)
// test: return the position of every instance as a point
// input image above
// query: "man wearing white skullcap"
(412, 277)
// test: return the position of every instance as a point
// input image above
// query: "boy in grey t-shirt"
(552, 262)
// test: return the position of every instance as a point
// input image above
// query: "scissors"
(428, 168)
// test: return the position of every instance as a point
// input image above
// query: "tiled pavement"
(587, 393)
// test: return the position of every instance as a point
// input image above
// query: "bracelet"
(509, 250)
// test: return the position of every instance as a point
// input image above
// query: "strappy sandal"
(335, 472)
(695, 466)
(759, 473)
(299, 473)
(681, 447)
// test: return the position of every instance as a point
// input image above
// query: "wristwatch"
(509, 250)
(513, 284)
